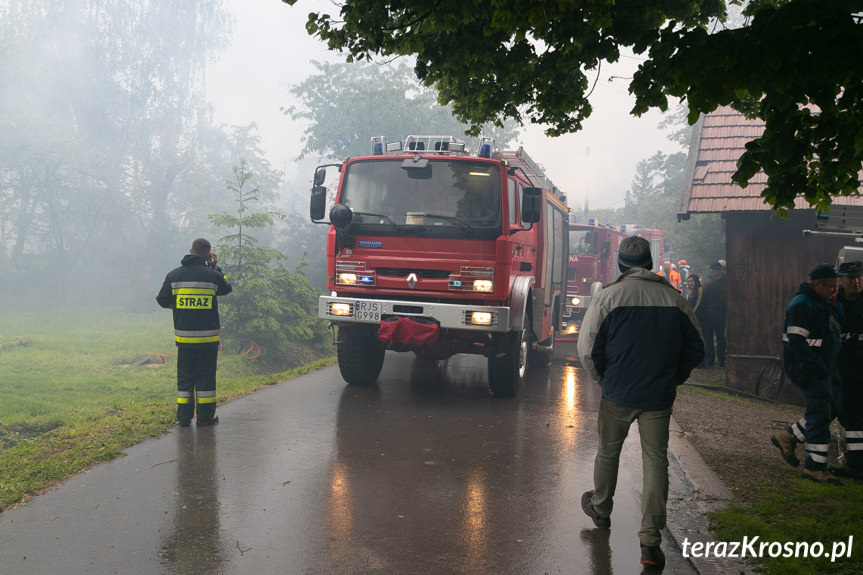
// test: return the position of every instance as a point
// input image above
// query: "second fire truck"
(592, 264)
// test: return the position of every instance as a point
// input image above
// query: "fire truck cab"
(436, 251)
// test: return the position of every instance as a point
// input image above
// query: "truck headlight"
(346, 279)
(481, 318)
(483, 286)
(340, 309)
(576, 301)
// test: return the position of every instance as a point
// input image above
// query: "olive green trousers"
(614, 424)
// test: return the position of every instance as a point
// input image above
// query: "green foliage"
(347, 104)
(795, 63)
(796, 66)
(653, 201)
(270, 304)
(505, 59)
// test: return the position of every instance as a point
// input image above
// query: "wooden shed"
(767, 256)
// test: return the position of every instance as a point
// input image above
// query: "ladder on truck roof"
(534, 173)
(845, 221)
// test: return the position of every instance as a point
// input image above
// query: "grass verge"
(35, 464)
(73, 397)
(802, 527)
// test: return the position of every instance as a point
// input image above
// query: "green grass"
(805, 512)
(69, 397)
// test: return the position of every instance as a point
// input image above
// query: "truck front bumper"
(345, 310)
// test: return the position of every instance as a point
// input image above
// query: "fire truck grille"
(404, 272)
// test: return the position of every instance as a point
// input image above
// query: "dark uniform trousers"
(196, 381)
(851, 417)
(851, 370)
(811, 345)
(823, 402)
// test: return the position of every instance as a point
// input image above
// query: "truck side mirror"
(606, 250)
(320, 176)
(318, 201)
(531, 205)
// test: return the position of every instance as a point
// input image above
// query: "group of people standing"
(707, 300)
(823, 355)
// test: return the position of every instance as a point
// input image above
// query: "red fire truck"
(593, 263)
(436, 251)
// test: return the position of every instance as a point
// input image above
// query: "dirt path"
(733, 435)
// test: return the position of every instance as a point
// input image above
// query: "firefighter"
(849, 307)
(811, 342)
(191, 290)
(672, 275)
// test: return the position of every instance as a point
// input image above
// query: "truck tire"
(361, 355)
(507, 367)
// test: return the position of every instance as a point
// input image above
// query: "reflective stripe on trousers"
(202, 336)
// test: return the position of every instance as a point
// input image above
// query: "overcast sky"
(271, 51)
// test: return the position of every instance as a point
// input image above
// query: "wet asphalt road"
(423, 473)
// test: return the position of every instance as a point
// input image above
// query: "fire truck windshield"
(581, 241)
(437, 194)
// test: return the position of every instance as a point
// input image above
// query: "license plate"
(367, 310)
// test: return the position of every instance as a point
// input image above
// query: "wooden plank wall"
(767, 259)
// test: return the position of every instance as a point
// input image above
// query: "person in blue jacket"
(810, 348)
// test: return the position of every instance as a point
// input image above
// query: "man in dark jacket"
(639, 340)
(811, 343)
(714, 302)
(849, 309)
(190, 290)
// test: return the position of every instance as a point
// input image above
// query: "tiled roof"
(718, 142)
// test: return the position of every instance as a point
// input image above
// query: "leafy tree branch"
(793, 63)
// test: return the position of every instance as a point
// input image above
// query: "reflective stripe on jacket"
(810, 338)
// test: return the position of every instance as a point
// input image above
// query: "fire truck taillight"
(340, 309)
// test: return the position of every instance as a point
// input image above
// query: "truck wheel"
(361, 355)
(506, 367)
